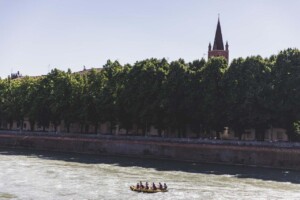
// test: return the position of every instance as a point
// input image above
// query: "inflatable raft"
(144, 190)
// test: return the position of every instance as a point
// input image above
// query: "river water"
(62, 176)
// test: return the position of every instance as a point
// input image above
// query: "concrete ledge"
(250, 155)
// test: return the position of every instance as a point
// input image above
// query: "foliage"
(176, 97)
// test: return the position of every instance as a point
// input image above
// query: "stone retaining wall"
(264, 156)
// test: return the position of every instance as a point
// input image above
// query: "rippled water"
(54, 176)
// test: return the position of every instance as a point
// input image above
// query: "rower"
(165, 186)
(154, 186)
(147, 186)
(141, 185)
(137, 186)
(160, 186)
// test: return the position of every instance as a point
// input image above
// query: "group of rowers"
(141, 186)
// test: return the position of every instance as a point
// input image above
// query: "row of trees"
(200, 96)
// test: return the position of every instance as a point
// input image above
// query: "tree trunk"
(111, 128)
(86, 129)
(96, 128)
(159, 132)
(10, 125)
(260, 133)
(68, 127)
(81, 128)
(21, 124)
(32, 123)
(238, 132)
(183, 132)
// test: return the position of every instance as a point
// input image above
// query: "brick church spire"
(218, 44)
(218, 47)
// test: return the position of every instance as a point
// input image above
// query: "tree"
(247, 84)
(26, 93)
(113, 81)
(95, 106)
(7, 106)
(57, 83)
(195, 96)
(40, 106)
(2, 90)
(213, 95)
(199, 96)
(286, 83)
(176, 97)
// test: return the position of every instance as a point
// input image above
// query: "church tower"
(218, 48)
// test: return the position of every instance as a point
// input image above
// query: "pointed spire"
(218, 44)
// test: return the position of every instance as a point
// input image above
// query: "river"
(26, 174)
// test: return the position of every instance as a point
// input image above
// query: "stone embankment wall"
(275, 156)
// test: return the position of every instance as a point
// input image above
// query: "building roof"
(218, 44)
(84, 71)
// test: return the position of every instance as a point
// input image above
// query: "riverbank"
(262, 154)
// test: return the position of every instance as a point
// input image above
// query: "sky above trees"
(37, 36)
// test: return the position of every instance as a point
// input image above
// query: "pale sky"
(39, 35)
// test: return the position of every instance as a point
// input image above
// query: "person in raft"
(160, 186)
(165, 186)
(141, 185)
(137, 186)
(147, 186)
(154, 186)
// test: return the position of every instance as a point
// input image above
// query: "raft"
(150, 190)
